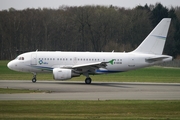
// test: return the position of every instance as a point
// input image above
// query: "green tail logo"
(111, 61)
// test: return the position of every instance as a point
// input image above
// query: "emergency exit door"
(33, 59)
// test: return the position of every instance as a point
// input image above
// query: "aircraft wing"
(95, 65)
(89, 67)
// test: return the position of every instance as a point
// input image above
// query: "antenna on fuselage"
(36, 50)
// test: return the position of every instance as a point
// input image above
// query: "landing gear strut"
(34, 78)
(88, 80)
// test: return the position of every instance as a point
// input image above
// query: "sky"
(54, 4)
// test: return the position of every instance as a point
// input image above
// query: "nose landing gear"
(34, 78)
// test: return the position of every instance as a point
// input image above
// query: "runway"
(68, 90)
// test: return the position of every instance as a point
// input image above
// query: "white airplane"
(65, 65)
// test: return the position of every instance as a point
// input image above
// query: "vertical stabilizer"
(154, 42)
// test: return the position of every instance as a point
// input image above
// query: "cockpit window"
(20, 58)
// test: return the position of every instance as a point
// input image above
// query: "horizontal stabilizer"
(156, 59)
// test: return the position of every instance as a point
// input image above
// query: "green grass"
(76, 110)
(150, 74)
(11, 91)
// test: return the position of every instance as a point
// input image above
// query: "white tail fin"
(154, 42)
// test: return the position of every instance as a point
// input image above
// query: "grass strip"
(77, 110)
(11, 91)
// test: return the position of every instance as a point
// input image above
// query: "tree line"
(84, 28)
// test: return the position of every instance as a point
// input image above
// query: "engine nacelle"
(62, 74)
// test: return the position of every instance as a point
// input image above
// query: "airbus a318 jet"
(65, 65)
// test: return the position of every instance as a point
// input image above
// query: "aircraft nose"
(10, 65)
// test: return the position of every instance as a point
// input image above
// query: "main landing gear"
(88, 80)
(34, 78)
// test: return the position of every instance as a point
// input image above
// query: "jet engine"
(62, 74)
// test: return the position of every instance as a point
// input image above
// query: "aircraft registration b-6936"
(65, 65)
